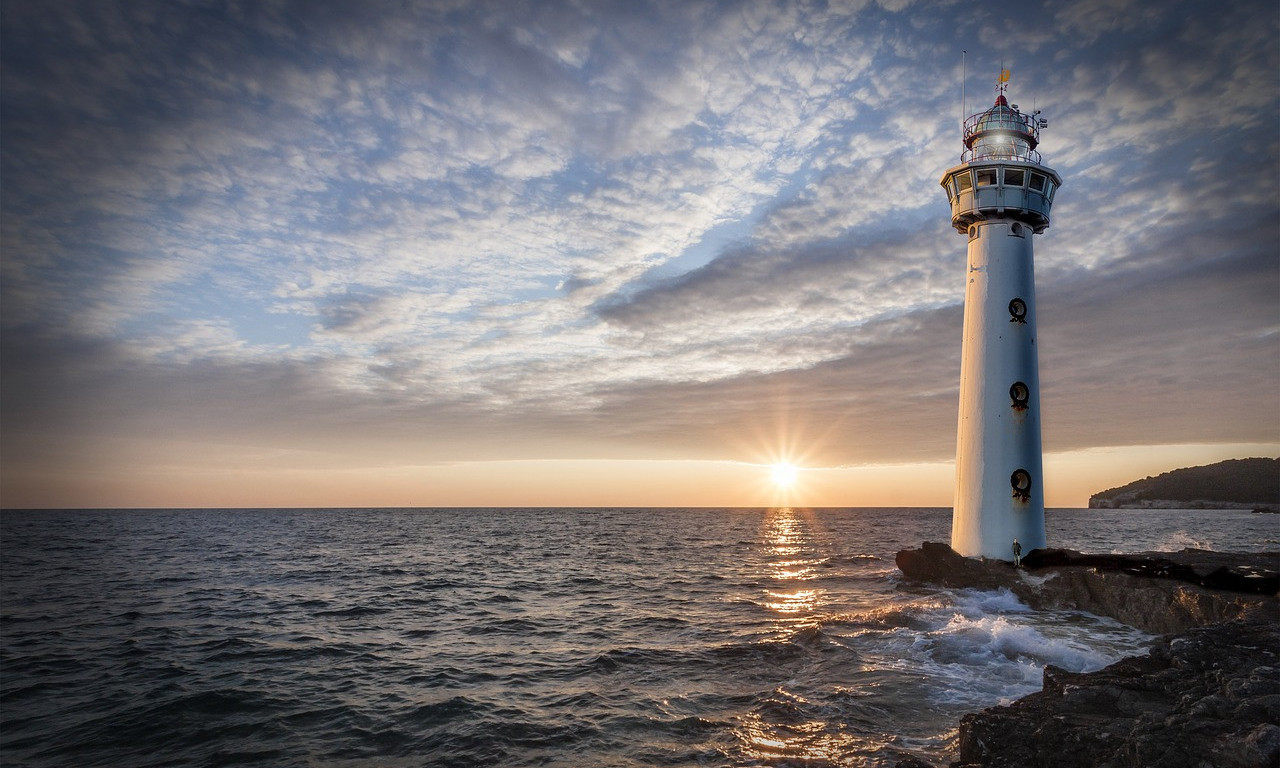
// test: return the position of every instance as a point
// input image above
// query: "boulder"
(940, 564)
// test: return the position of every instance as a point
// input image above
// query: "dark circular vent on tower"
(1021, 482)
(1018, 311)
(1019, 394)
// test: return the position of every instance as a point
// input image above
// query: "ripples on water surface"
(522, 637)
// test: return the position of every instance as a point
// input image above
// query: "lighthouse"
(1000, 196)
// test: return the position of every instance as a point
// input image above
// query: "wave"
(1180, 540)
(440, 712)
(889, 617)
(996, 640)
(977, 647)
(740, 658)
(353, 612)
(511, 626)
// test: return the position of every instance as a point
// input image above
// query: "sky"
(558, 252)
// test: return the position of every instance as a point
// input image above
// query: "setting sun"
(783, 474)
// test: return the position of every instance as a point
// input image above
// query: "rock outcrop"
(1206, 695)
(1209, 697)
(1156, 592)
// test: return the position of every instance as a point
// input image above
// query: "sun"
(783, 474)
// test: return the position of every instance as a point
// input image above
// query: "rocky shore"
(1207, 694)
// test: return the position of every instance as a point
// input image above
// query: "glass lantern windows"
(1007, 177)
(995, 189)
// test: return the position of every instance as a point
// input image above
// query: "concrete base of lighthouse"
(999, 493)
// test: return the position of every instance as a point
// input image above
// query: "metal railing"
(989, 153)
(1006, 119)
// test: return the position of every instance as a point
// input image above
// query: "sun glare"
(783, 474)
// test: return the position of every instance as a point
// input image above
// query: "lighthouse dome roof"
(1001, 132)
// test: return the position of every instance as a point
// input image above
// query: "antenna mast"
(962, 79)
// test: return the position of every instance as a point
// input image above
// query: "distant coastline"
(1096, 503)
(1232, 484)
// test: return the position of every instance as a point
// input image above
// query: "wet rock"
(1156, 592)
(1208, 697)
(1249, 573)
(940, 564)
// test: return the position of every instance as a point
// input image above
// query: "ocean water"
(523, 637)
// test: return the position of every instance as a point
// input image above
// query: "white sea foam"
(984, 647)
(975, 603)
(1180, 540)
(1036, 581)
(998, 639)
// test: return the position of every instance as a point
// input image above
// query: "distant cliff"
(1243, 483)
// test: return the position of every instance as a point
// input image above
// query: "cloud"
(524, 228)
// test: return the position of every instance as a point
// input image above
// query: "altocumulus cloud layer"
(425, 231)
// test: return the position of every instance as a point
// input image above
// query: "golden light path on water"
(795, 557)
(794, 564)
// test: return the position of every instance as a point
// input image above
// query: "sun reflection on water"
(799, 601)
(815, 742)
(784, 730)
(792, 561)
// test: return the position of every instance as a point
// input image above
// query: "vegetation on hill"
(1235, 481)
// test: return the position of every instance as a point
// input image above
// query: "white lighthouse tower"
(1000, 196)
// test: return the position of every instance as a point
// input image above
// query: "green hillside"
(1235, 481)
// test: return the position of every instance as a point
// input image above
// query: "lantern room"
(1002, 133)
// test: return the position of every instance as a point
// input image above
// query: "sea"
(334, 638)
